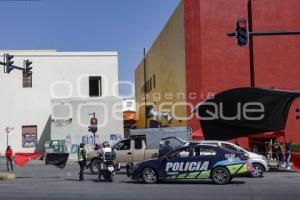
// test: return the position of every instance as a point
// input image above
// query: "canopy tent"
(268, 135)
(198, 135)
(129, 117)
(244, 111)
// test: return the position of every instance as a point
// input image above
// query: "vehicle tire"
(220, 176)
(258, 170)
(94, 166)
(108, 177)
(149, 175)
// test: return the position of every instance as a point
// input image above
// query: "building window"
(95, 86)
(149, 85)
(29, 136)
(27, 80)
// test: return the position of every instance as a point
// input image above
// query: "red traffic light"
(242, 23)
(242, 32)
(94, 121)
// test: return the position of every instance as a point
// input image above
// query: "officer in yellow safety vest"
(81, 160)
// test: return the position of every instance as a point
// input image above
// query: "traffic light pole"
(91, 128)
(16, 67)
(244, 35)
(233, 34)
(251, 49)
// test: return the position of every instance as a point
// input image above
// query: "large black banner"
(244, 111)
(57, 159)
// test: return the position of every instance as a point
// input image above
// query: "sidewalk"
(275, 168)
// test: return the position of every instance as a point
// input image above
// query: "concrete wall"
(166, 61)
(70, 120)
(277, 58)
(213, 62)
(55, 75)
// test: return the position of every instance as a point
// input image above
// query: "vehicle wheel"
(258, 170)
(220, 176)
(94, 166)
(149, 176)
(108, 177)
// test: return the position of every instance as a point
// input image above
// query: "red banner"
(21, 159)
(296, 161)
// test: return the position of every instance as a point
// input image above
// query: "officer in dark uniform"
(167, 148)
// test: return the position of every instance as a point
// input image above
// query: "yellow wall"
(165, 59)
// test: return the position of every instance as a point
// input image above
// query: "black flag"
(244, 111)
(57, 159)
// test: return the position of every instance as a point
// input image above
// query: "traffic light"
(93, 126)
(27, 68)
(9, 63)
(242, 32)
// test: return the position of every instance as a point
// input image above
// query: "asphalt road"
(37, 181)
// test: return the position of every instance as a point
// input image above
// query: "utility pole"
(251, 50)
(145, 89)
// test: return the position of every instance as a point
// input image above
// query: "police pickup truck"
(195, 161)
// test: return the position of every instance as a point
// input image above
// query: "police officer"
(105, 148)
(81, 160)
(167, 148)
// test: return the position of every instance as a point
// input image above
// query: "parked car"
(260, 163)
(193, 161)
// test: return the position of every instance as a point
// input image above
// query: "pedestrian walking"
(281, 159)
(277, 153)
(254, 149)
(9, 158)
(288, 154)
(268, 152)
(81, 160)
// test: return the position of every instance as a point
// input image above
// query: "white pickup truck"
(143, 144)
(133, 150)
(129, 150)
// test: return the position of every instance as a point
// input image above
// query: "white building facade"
(129, 105)
(55, 102)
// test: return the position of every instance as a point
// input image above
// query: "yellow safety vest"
(80, 156)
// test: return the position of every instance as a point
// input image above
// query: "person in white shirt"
(105, 149)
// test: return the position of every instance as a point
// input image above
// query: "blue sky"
(126, 26)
